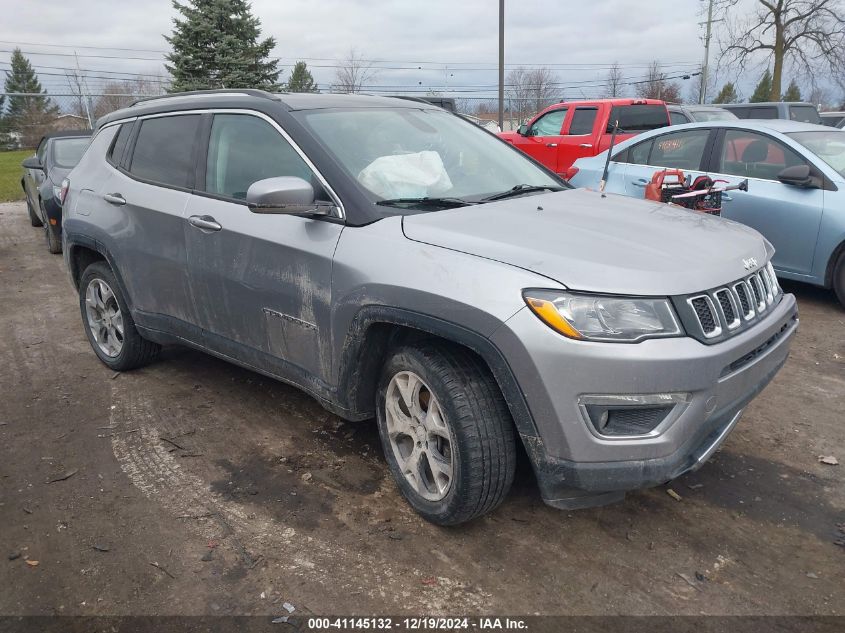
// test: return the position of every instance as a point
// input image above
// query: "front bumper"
(577, 467)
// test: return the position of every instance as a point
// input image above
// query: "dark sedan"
(56, 155)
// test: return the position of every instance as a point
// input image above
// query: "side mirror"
(32, 163)
(523, 130)
(285, 195)
(797, 176)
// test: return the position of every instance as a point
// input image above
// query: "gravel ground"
(195, 487)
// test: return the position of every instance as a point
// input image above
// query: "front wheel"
(54, 242)
(34, 220)
(108, 323)
(446, 432)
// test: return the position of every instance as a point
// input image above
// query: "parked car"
(788, 110)
(680, 114)
(833, 119)
(56, 155)
(565, 132)
(796, 190)
(395, 261)
(447, 103)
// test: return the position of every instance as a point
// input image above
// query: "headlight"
(604, 318)
(57, 194)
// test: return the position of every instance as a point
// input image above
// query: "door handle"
(551, 144)
(114, 198)
(725, 197)
(642, 182)
(204, 222)
(585, 145)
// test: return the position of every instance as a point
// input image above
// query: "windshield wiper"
(519, 190)
(447, 203)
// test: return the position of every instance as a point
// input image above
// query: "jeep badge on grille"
(749, 263)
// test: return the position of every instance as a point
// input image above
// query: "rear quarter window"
(763, 112)
(115, 153)
(638, 117)
(805, 114)
(164, 150)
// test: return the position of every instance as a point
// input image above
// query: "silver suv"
(395, 261)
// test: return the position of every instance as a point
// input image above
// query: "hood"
(57, 174)
(607, 244)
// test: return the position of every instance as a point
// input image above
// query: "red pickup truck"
(567, 131)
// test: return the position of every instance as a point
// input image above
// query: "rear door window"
(681, 150)
(164, 150)
(638, 118)
(549, 124)
(583, 121)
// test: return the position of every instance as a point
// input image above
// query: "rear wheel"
(446, 432)
(839, 278)
(108, 323)
(34, 220)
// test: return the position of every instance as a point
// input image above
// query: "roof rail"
(252, 92)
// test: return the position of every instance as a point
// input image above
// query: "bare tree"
(613, 84)
(81, 102)
(353, 73)
(531, 90)
(120, 94)
(809, 33)
(656, 86)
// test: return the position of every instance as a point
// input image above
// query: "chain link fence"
(26, 117)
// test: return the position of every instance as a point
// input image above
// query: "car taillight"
(63, 191)
(569, 174)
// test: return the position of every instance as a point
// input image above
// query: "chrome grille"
(706, 314)
(723, 311)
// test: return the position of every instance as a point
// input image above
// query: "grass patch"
(10, 174)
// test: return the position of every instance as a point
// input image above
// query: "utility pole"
(83, 92)
(702, 93)
(502, 65)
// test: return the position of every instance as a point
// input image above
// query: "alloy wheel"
(105, 319)
(419, 435)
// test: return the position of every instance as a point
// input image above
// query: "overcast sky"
(417, 40)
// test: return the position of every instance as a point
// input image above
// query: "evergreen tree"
(763, 90)
(793, 92)
(301, 79)
(216, 45)
(727, 94)
(29, 115)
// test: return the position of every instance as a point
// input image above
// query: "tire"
(839, 278)
(118, 351)
(54, 242)
(34, 220)
(480, 449)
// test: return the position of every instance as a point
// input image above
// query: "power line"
(483, 65)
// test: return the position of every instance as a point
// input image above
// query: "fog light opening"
(629, 416)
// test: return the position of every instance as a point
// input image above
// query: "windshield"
(716, 114)
(68, 151)
(829, 146)
(408, 153)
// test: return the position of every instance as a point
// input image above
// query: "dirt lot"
(197, 487)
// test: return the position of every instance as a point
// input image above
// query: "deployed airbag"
(416, 175)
